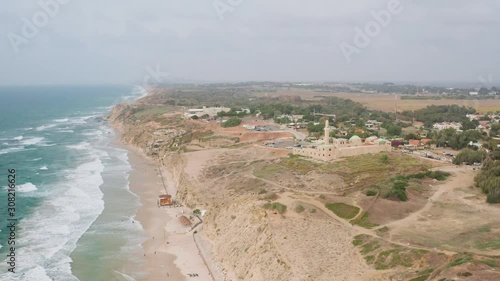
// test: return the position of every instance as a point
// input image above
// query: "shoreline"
(170, 252)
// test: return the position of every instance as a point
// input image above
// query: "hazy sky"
(114, 41)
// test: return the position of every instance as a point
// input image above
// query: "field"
(388, 102)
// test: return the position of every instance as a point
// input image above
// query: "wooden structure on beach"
(165, 200)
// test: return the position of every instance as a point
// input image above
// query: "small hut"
(185, 221)
(165, 200)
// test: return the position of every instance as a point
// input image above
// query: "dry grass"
(387, 102)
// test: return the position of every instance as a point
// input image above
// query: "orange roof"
(425, 141)
(414, 142)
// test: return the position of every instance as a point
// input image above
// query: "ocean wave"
(44, 127)
(62, 120)
(32, 141)
(80, 146)
(52, 231)
(44, 168)
(11, 150)
(27, 187)
(37, 159)
(18, 138)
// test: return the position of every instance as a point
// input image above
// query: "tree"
(469, 156)
(232, 122)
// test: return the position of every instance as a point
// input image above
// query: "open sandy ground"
(170, 251)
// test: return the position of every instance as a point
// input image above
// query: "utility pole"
(396, 108)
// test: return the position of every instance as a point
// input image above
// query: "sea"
(73, 205)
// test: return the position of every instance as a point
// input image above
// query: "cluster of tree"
(232, 113)
(400, 183)
(398, 189)
(488, 180)
(392, 129)
(456, 140)
(494, 130)
(231, 122)
(440, 113)
(470, 156)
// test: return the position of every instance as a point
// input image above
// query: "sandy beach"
(170, 251)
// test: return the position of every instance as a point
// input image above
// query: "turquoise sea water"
(72, 199)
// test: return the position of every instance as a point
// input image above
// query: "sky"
(123, 41)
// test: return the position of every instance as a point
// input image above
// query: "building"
(447, 125)
(473, 93)
(165, 200)
(340, 148)
(209, 111)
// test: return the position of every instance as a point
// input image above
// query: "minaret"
(327, 132)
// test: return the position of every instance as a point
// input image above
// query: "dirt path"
(462, 179)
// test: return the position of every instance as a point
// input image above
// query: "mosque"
(340, 147)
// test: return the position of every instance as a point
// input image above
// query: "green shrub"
(399, 194)
(299, 208)
(231, 122)
(371, 192)
(262, 191)
(280, 208)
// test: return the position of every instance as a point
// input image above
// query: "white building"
(473, 93)
(210, 111)
(447, 125)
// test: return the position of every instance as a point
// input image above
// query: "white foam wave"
(27, 187)
(18, 138)
(44, 168)
(44, 127)
(61, 120)
(52, 231)
(80, 146)
(32, 141)
(66, 131)
(11, 150)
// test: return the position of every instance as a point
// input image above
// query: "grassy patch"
(421, 278)
(369, 247)
(280, 208)
(484, 229)
(384, 229)
(343, 210)
(461, 259)
(490, 263)
(268, 170)
(383, 255)
(150, 112)
(365, 222)
(488, 244)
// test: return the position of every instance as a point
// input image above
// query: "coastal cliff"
(242, 241)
